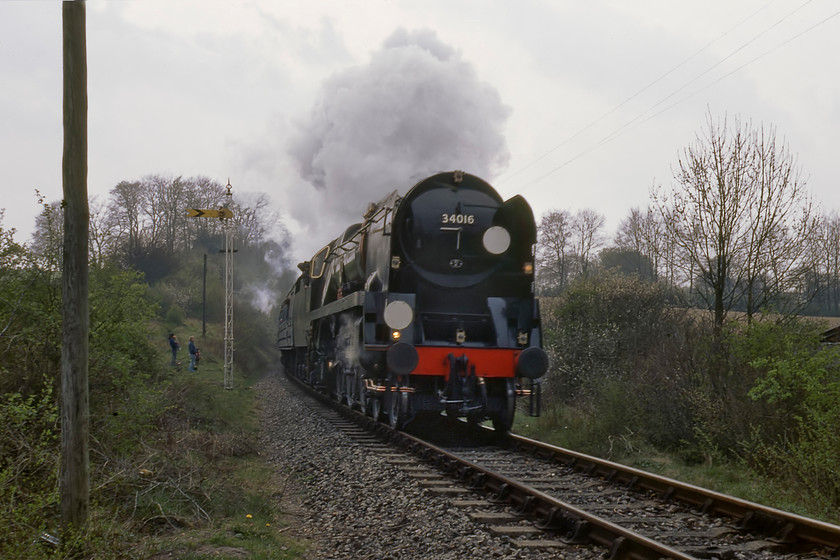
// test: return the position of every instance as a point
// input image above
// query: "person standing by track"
(173, 343)
(193, 353)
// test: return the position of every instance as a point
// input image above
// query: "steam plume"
(415, 109)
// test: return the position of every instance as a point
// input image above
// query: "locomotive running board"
(353, 299)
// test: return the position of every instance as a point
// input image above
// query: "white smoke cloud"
(415, 109)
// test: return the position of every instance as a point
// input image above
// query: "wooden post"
(204, 299)
(75, 415)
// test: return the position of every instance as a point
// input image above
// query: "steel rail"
(551, 513)
(787, 527)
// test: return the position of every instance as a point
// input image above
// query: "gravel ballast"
(347, 502)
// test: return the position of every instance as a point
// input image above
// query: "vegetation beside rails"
(175, 471)
(750, 411)
(733, 477)
(210, 493)
(173, 461)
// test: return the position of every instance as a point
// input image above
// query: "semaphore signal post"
(225, 214)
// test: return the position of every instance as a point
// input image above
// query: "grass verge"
(209, 494)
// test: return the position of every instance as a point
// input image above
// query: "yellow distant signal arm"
(221, 213)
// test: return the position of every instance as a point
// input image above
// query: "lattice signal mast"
(225, 214)
(228, 289)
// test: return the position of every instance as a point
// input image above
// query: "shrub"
(798, 381)
(29, 462)
(616, 346)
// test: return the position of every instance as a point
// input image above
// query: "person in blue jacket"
(193, 353)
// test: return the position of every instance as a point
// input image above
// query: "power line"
(641, 119)
(721, 78)
(637, 93)
(627, 126)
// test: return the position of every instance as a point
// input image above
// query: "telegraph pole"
(75, 413)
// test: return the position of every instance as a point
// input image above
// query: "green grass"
(234, 510)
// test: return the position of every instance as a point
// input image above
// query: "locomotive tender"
(425, 307)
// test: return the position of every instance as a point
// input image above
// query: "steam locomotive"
(425, 307)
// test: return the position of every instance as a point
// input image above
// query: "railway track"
(548, 497)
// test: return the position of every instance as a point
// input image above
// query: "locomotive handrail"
(323, 263)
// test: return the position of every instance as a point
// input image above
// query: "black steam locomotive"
(425, 307)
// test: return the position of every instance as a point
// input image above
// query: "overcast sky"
(329, 105)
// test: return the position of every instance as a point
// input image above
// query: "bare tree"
(47, 235)
(165, 211)
(125, 208)
(101, 233)
(554, 251)
(248, 220)
(826, 263)
(202, 193)
(587, 238)
(643, 233)
(566, 246)
(782, 219)
(154, 208)
(738, 215)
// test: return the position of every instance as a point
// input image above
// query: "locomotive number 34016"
(467, 219)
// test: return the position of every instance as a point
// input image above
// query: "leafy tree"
(13, 263)
(797, 379)
(123, 403)
(30, 299)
